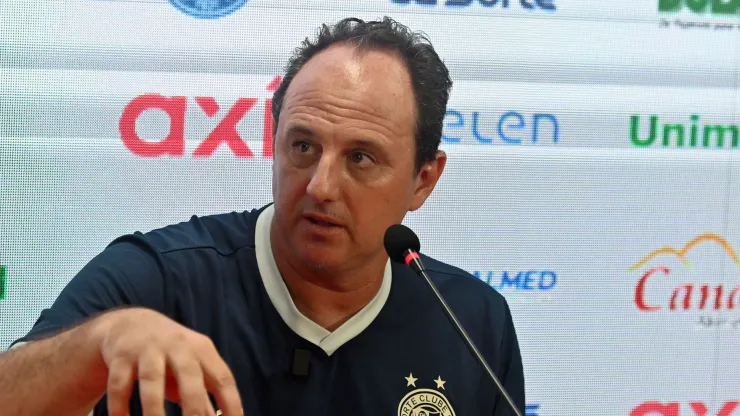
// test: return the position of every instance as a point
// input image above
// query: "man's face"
(344, 159)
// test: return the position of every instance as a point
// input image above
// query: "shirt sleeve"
(511, 369)
(128, 272)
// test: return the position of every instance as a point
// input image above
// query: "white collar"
(281, 299)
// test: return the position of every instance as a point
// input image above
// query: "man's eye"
(302, 146)
(360, 157)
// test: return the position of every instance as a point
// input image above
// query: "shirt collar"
(283, 303)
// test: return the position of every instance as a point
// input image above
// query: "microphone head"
(398, 240)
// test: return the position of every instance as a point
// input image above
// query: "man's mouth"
(322, 220)
(324, 223)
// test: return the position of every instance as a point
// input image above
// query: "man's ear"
(427, 179)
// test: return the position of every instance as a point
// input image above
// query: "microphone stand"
(415, 262)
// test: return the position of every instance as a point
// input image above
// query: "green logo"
(3, 281)
(722, 7)
(691, 134)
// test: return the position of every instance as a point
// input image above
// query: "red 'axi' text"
(174, 144)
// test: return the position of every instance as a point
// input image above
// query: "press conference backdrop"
(593, 175)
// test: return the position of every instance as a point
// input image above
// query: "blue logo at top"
(208, 9)
(548, 5)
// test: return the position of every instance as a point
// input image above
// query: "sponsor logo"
(715, 7)
(532, 410)
(3, 282)
(654, 408)
(511, 127)
(655, 293)
(701, 9)
(652, 131)
(423, 401)
(547, 5)
(225, 133)
(208, 9)
(531, 280)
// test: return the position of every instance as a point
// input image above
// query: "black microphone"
(403, 246)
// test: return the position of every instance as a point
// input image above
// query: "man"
(294, 308)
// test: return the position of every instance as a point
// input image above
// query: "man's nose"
(325, 179)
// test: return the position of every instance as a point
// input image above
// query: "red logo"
(687, 296)
(678, 409)
(224, 133)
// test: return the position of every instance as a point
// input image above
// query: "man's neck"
(330, 298)
(325, 303)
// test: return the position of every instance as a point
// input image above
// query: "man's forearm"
(62, 375)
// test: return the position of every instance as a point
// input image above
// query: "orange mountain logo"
(681, 254)
(689, 295)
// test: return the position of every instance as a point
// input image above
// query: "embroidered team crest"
(425, 402)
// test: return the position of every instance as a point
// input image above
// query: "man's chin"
(321, 259)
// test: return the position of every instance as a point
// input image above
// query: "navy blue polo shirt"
(398, 356)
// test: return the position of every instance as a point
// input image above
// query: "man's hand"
(169, 360)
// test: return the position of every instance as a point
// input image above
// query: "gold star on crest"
(440, 383)
(411, 380)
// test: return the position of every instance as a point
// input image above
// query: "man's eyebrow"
(373, 144)
(299, 129)
(370, 142)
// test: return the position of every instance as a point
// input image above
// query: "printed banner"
(593, 175)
